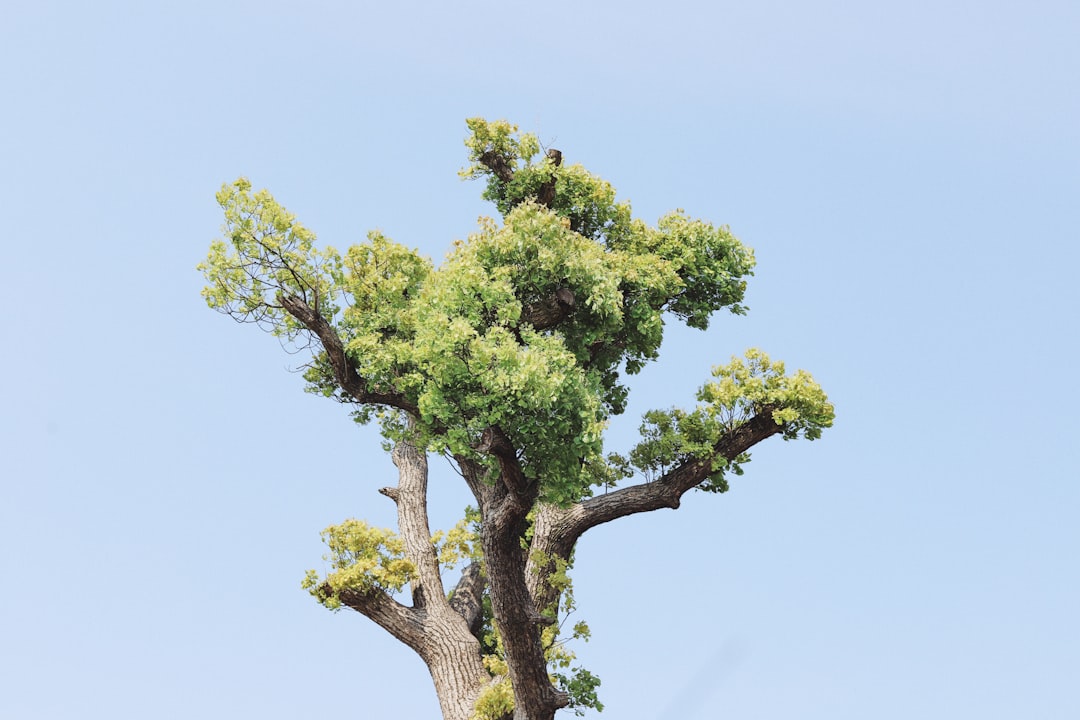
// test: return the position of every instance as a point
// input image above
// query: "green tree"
(508, 358)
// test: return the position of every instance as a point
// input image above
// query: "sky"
(907, 173)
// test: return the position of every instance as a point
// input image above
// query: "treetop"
(522, 337)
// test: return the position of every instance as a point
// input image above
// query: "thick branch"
(344, 371)
(494, 442)
(549, 525)
(518, 621)
(497, 163)
(504, 507)
(550, 311)
(411, 499)
(665, 492)
(404, 623)
(473, 473)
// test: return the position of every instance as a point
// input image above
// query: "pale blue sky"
(908, 174)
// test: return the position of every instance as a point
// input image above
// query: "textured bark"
(494, 442)
(411, 499)
(518, 621)
(498, 165)
(550, 311)
(441, 631)
(452, 655)
(504, 507)
(467, 599)
(404, 623)
(444, 631)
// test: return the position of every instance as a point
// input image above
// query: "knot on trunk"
(550, 311)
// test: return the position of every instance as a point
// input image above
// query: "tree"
(508, 358)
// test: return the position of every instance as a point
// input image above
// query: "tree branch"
(512, 604)
(344, 370)
(404, 623)
(473, 473)
(666, 492)
(548, 542)
(496, 162)
(494, 442)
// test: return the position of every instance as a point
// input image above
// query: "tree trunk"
(453, 659)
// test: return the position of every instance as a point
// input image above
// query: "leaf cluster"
(362, 558)
(267, 253)
(459, 543)
(743, 388)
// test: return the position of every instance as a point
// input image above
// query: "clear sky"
(907, 172)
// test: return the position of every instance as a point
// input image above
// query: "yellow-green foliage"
(495, 701)
(460, 542)
(740, 390)
(743, 388)
(383, 280)
(362, 558)
(499, 137)
(267, 252)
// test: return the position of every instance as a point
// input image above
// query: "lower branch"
(404, 623)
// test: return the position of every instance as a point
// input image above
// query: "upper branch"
(344, 370)
(473, 473)
(498, 163)
(494, 442)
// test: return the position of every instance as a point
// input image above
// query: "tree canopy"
(509, 357)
